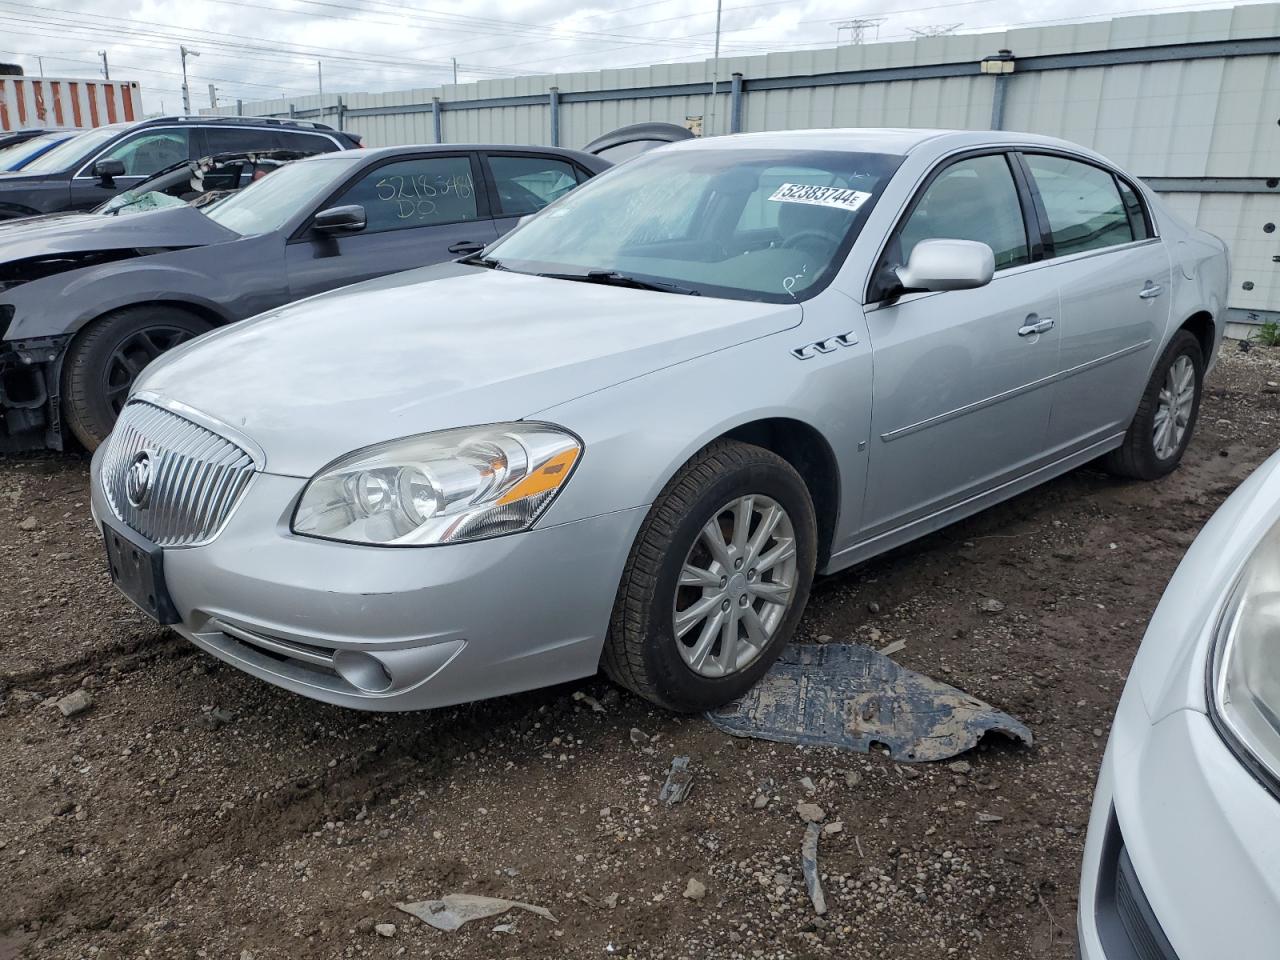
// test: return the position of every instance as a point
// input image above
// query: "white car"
(1182, 861)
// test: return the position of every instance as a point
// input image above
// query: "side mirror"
(345, 219)
(108, 170)
(947, 265)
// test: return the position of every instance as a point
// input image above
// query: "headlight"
(443, 487)
(1245, 672)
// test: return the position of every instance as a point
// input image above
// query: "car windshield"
(770, 225)
(70, 154)
(13, 155)
(268, 204)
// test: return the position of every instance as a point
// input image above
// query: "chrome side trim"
(1011, 393)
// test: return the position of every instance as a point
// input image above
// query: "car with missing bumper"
(1182, 858)
(630, 433)
(87, 300)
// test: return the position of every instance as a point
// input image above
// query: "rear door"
(143, 153)
(1114, 274)
(419, 211)
(963, 381)
(522, 183)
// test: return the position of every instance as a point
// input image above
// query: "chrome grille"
(196, 477)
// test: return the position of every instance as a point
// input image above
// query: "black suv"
(94, 166)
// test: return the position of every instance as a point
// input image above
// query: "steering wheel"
(814, 241)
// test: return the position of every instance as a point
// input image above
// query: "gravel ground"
(193, 811)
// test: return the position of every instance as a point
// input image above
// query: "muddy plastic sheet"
(849, 696)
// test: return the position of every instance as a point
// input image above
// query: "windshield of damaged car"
(269, 203)
(771, 225)
(69, 154)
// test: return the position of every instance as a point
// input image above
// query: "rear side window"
(239, 140)
(415, 193)
(527, 184)
(973, 199)
(305, 142)
(1083, 204)
(1133, 208)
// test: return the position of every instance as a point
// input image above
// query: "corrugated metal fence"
(1188, 101)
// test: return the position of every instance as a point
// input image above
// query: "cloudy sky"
(260, 49)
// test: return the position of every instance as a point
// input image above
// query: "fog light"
(362, 671)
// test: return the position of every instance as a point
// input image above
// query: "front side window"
(768, 225)
(148, 152)
(527, 184)
(268, 204)
(1082, 202)
(973, 199)
(415, 193)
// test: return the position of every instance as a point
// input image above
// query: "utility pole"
(186, 92)
(455, 70)
(213, 96)
(320, 77)
(106, 71)
(40, 62)
(715, 73)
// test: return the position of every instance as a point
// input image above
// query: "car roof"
(379, 153)
(890, 140)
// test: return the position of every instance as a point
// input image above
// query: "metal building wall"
(1187, 101)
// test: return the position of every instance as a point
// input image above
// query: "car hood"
(446, 346)
(59, 234)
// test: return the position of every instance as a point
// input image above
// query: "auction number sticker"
(842, 198)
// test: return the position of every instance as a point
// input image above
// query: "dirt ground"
(196, 812)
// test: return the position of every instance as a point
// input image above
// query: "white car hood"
(431, 349)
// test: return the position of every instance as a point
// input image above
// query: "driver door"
(962, 389)
(418, 211)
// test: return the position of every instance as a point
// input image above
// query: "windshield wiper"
(475, 260)
(613, 278)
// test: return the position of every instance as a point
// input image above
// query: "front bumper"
(1202, 841)
(380, 628)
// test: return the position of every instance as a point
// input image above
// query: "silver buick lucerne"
(629, 433)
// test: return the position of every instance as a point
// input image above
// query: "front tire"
(1166, 415)
(717, 580)
(107, 357)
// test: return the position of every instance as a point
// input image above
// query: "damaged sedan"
(87, 301)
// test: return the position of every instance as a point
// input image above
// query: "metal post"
(735, 104)
(554, 98)
(455, 70)
(239, 108)
(213, 96)
(320, 80)
(186, 91)
(342, 114)
(40, 61)
(435, 119)
(106, 70)
(997, 101)
(715, 73)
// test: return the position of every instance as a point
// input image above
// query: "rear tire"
(1166, 417)
(753, 591)
(107, 357)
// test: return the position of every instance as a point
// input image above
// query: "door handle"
(466, 246)
(1151, 290)
(1035, 325)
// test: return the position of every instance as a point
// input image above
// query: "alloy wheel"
(1173, 407)
(735, 586)
(132, 354)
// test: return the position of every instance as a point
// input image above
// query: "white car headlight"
(436, 488)
(1245, 671)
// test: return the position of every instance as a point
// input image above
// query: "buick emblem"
(138, 479)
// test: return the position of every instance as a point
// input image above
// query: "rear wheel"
(1166, 415)
(107, 357)
(717, 580)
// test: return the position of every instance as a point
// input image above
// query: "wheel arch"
(1202, 326)
(811, 455)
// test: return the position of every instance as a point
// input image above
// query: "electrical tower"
(858, 28)
(936, 29)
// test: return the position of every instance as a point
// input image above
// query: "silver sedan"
(631, 432)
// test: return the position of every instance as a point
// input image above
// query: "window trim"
(582, 175)
(483, 211)
(1026, 203)
(1117, 178)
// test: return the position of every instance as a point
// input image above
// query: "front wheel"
(1166, 415)
(107, 357)
(717, 580)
